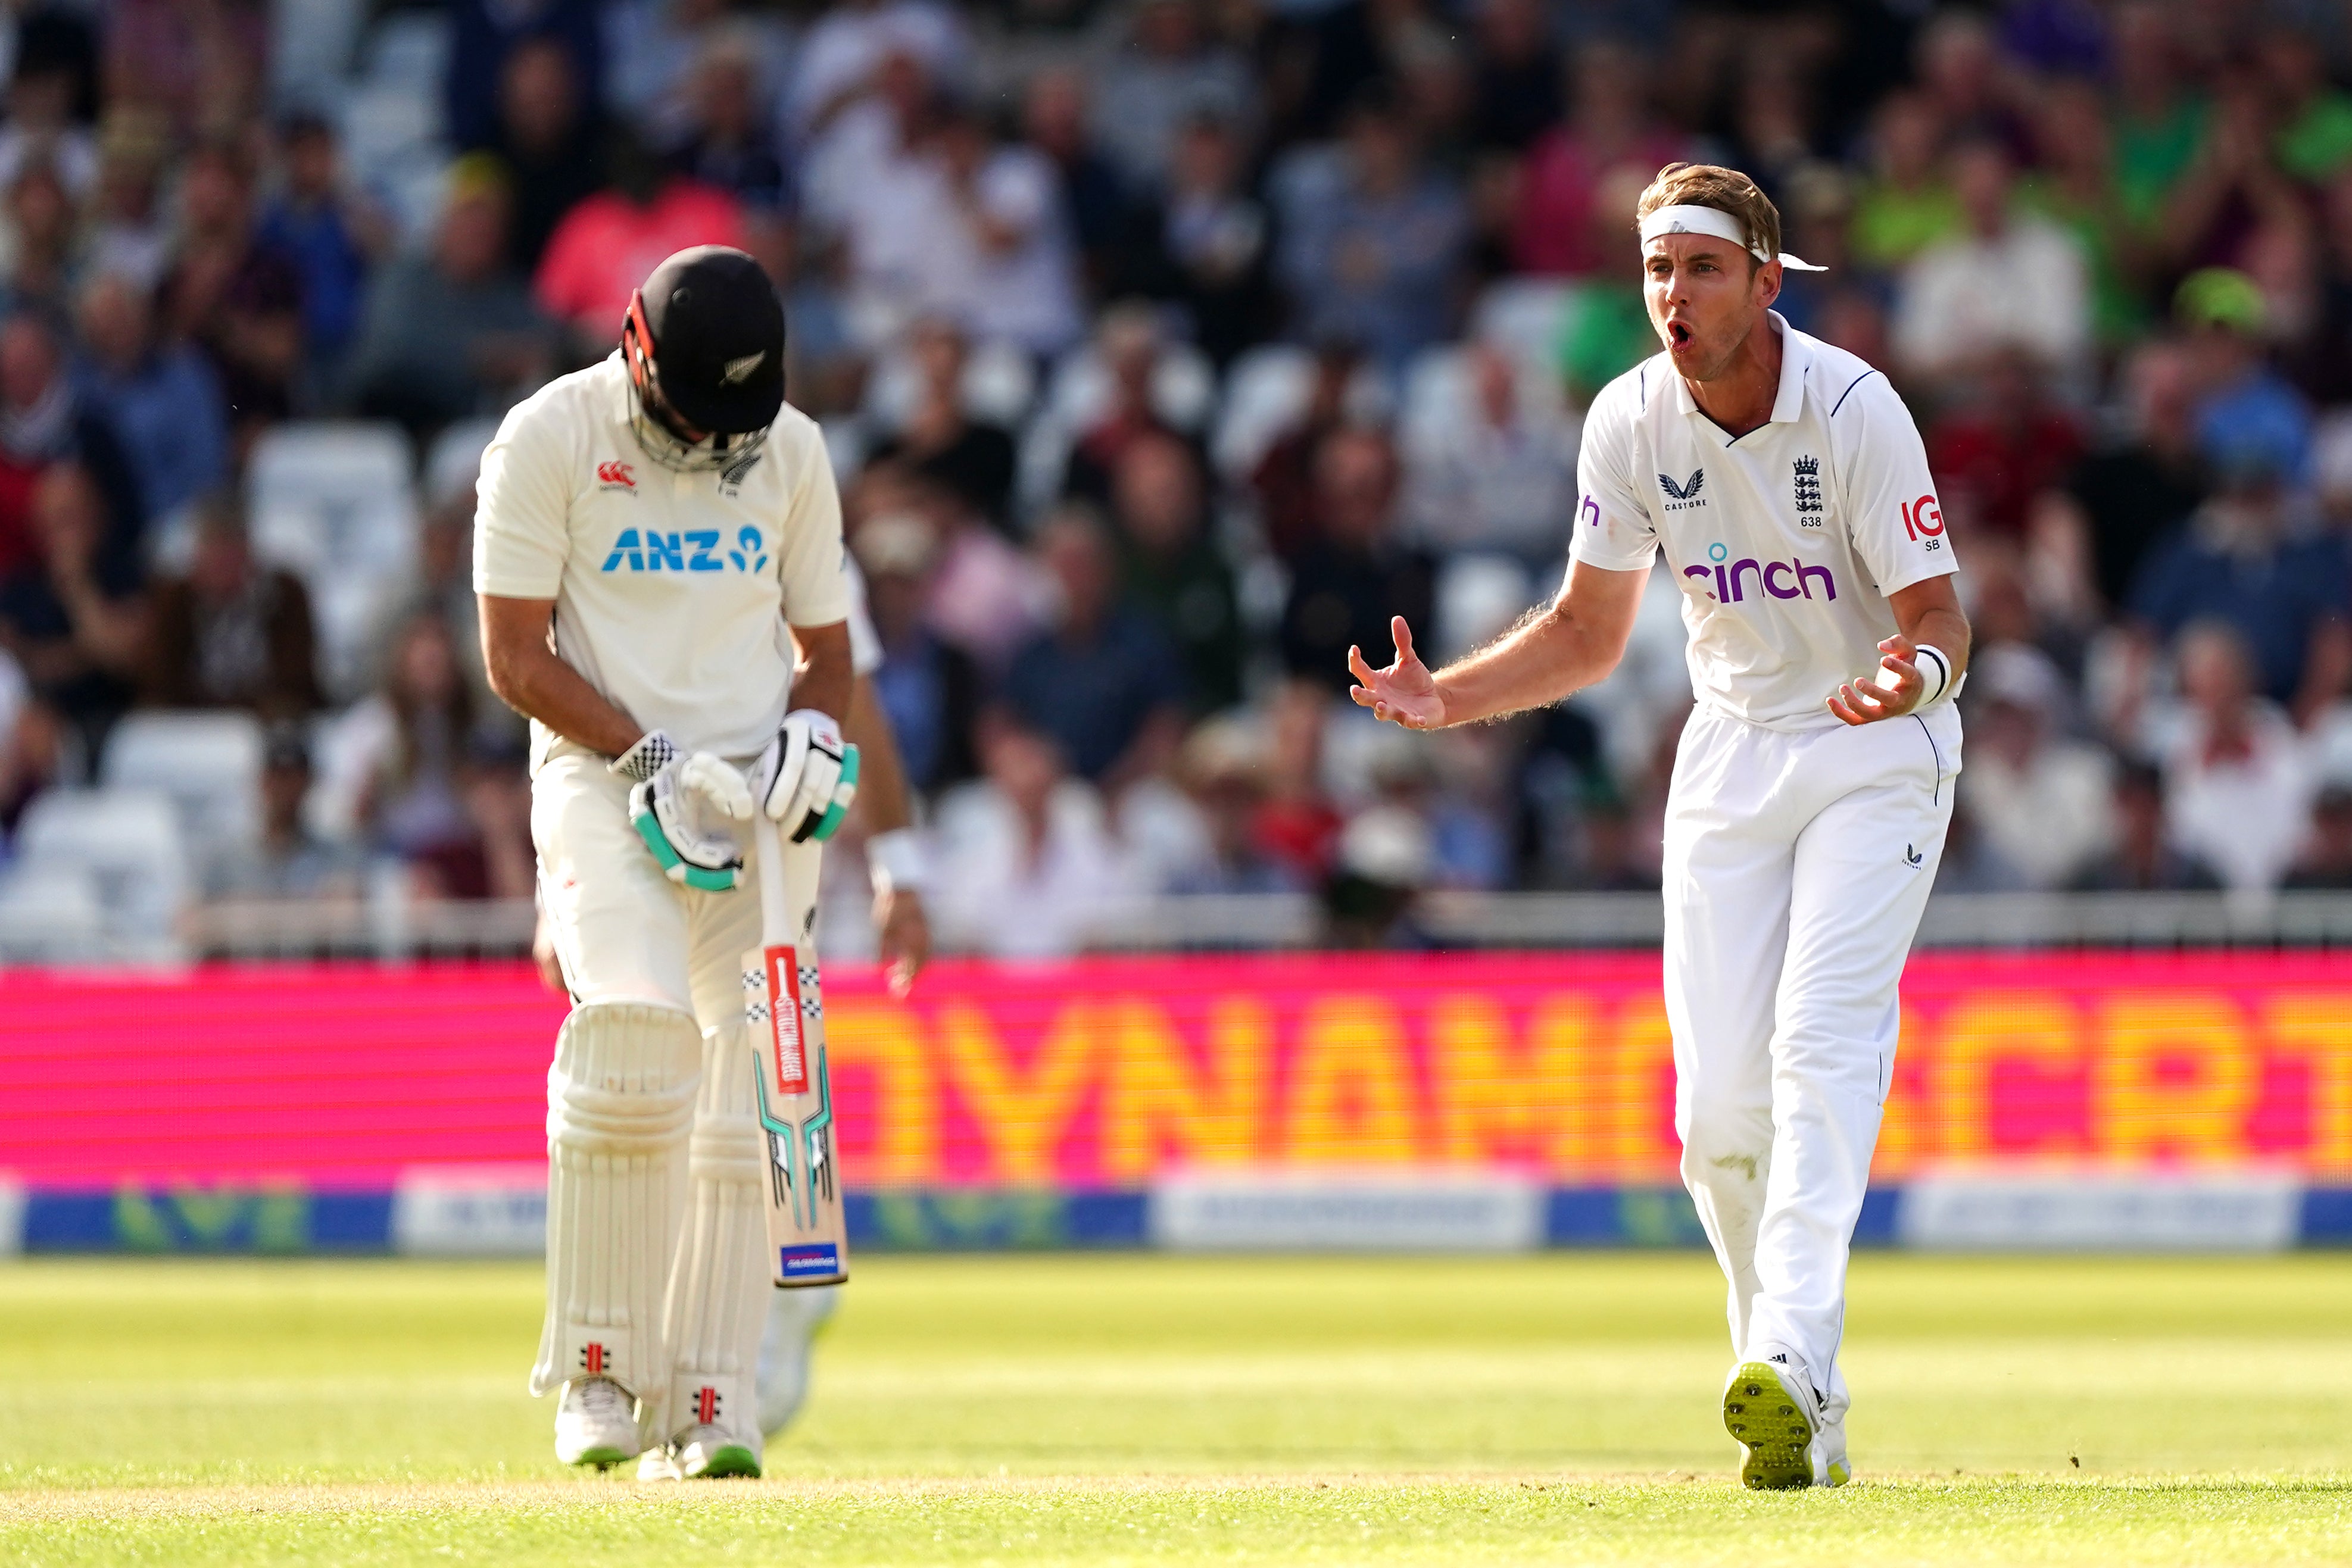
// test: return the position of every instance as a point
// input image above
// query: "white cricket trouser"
(626, 934)
(1797, 865)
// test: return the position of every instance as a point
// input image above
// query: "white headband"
(1721, 224)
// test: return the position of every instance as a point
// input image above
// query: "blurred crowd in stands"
(1166, 347)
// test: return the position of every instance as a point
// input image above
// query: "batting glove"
(807, 777)
(682, 813)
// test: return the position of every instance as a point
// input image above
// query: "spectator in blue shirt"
(164, 403)
(334, 240)
(1374, 239)
(2287, 592)
(2246, 411)
(1105, 685)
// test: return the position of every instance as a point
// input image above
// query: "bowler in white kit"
(659, 556)
(1786, 485)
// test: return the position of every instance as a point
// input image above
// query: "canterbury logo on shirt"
(688, 549)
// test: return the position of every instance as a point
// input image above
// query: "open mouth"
(1678, 334)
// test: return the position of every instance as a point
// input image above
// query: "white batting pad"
(620, 1098)
(718, 1286)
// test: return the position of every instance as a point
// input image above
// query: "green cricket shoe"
(1771, 1415)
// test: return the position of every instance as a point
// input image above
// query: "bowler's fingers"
(1855, 704)
(1358, 667)
(1403, 635)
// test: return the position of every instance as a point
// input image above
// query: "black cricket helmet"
(704, 343)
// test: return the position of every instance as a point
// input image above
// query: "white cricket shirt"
(1785, 542)
(672, 589)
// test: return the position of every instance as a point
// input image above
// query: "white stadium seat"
(1266, 390)
(336, 504)
(1183, 388)
(410, 50)
(1439, 405)
(999, 383)
(208, 763)
(129, 843)
(1523, 316)
(310, 47)
(455, 460)
(1079, 394)
(51, 913)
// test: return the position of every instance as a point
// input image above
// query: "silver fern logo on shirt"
(1684, 496)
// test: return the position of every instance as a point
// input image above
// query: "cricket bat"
(808, 1238)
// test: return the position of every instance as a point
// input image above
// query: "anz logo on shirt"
(690, 549)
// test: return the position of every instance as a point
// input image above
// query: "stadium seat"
(1478, 596)
(1441, 398)
(128, 841)
(1079, 392)
(335, 504)
(1437, 404)
(1266, 390)
(390, 116)
(1000, 384)
(310, 47)
(1523, 316)
(1183, 388)
(51, 913)
(455, 460)
(409, 50)
(208, 763)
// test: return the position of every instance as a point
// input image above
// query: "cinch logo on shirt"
(1686, 494)
(690, 549)
(616, 476)
(1780, 579)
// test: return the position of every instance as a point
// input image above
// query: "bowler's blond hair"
(1724, 190)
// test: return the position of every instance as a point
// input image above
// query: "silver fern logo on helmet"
(736, 371)
(661, 443)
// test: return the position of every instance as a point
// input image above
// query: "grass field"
(1153, 1410)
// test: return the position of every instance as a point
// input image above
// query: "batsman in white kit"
(1787, 486)
(659, 556)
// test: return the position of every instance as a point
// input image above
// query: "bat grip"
(775, 914)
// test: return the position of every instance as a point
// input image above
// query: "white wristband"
(898, 861)
(1935, 669)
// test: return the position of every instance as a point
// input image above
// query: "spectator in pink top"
(608, 242)
(1611, 127)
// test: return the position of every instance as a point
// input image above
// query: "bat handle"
(775, 914)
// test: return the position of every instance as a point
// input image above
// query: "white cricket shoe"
(794, 1316)
(1768, 1404)
(706, 1452)
(595, 1423)
(1827, 1455)
(658, 1465)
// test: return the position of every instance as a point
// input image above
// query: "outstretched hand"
(1893, 691)
(1405, 692)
